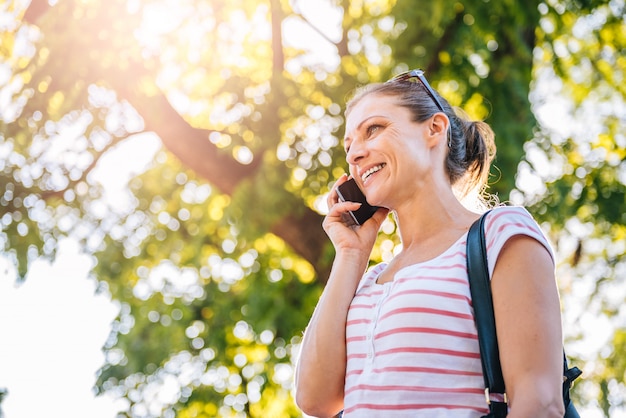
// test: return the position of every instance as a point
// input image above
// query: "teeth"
(371, 171)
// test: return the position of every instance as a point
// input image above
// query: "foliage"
(215, 252)
(585, 191)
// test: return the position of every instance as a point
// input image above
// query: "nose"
(356, 152)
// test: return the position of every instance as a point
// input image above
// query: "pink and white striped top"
(411, 343)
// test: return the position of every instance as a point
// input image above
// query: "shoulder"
(505, 222)
(511, 219)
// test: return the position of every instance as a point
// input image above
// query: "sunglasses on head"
(412, 76)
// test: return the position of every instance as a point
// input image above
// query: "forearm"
(320, 372)
(533, 371)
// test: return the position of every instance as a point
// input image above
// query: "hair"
(471, 147)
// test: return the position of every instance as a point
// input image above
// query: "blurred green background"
(187, 146)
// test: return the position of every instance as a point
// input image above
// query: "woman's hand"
(350, 237)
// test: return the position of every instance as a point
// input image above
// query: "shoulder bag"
(480, 289)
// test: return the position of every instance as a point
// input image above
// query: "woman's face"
(389, 154)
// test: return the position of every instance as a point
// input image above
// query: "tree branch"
(50, 194)
(341, 46)
(189, 144)
(278, 56)
(305, 235)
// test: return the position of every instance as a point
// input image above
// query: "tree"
(218, 257)
(582, 59)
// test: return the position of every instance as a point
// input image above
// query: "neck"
(426, 218)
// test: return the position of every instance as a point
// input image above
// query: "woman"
(400, 340)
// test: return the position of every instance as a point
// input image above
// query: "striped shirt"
(412, 348)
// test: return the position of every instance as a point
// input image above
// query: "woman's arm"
(321, 368)
(528, 325)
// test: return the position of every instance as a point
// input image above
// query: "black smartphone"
(350, 192)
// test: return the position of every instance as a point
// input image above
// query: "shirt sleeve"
(505, 222)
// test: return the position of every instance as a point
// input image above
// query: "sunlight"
(316, 38)
(119, 165)
(157, 19)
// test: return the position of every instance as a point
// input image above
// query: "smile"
(371, 171)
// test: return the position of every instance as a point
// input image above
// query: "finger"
(340, 208)
(333, 197)
(377, 219)
(380, 215)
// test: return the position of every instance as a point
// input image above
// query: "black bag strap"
(480, 289)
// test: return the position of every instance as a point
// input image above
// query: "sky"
(53, 325)
(52, 329)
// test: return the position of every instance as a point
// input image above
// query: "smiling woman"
(407, 339)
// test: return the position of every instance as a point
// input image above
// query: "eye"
(373, 129)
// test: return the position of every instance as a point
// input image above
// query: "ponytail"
(472, 149)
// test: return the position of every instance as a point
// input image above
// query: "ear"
(438, 128)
